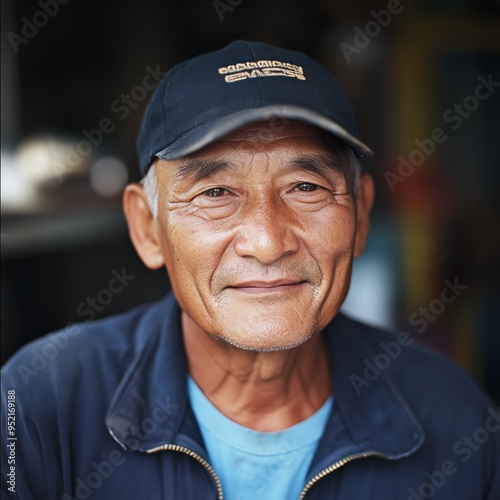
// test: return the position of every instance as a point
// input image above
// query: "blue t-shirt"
(252, 464)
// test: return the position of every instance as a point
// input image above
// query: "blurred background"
(76, 77)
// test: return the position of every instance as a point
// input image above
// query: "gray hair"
(355, 170)
(150, 184)
(150, 181)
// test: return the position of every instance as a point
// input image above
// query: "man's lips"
(280, 285)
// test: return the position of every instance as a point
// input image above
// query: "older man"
(243, 384)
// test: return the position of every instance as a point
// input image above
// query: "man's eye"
(306, 186)
(215, 192)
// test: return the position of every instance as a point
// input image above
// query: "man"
(247, 382)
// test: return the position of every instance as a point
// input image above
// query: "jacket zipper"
(192, 454)
(335, 466)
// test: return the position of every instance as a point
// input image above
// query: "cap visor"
(206, 134)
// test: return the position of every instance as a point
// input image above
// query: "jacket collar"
(374, 419)
(150, 406)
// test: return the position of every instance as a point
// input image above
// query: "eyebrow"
(200, 168)
(321, 164)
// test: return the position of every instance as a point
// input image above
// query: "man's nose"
(266, 232)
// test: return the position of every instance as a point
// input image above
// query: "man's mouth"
(266, 287)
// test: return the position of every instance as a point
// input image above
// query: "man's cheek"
(329, 257)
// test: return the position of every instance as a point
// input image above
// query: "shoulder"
(435, 387)
(459, 422)
(89, 349)
(406, 358)
(61, 386)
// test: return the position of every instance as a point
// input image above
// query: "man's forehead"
(266, 135)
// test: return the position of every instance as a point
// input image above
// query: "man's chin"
(265, 338)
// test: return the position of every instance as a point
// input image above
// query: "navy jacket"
(101, 412)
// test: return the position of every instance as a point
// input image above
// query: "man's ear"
(142, 226)
(365, 198)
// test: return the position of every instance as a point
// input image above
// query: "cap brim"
(203, 135)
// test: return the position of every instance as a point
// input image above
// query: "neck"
(264, 391)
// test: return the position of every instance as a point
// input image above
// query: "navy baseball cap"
(205, 98)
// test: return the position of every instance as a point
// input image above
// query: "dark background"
(61, 239)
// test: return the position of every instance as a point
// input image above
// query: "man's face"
(257, 233)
